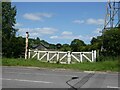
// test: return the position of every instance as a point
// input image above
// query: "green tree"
(8, 30)
(111, 41)
(8, 20)
(37, 41)
(0, 30)
(65, 47)
(94, 40)
(18, 44)
(58, 46)
(76, 45)
(52, 46)
(96, 43)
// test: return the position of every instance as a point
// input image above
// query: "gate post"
(57, 57)
(69, 57)
(47, 56)
(95, 55)
(38, 55)
(81, 57)
(92, 56)
(29, 54)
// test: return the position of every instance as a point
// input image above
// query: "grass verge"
(111, 65)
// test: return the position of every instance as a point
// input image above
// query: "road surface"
(26, 77)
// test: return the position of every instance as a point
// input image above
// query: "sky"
(60, 22)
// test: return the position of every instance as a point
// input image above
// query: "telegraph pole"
(26, 47)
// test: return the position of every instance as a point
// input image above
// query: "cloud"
(37, 16)
(95, 21)
(54, 37)
(36, 32)
(90, 21)
(72, 37)
(78, 21)
(63, 37)
(46, 30)
(67, 33)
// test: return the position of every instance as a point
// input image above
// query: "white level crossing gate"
(62, 57)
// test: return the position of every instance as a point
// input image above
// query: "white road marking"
(25, 80)
(112, 87)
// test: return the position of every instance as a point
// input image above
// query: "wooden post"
(57, 57)
(92, 56)
(69, 57)
(81, 58)
(48, 56)
(38, 55)
(26, 47)
(29, 54)
(95, 55)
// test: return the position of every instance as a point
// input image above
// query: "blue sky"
(60, 22)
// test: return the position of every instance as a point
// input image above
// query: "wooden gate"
(62, 57)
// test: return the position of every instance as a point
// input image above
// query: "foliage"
(58, 46)
(76, 45)
(96, 43)
(111, 42)
(8, 20)
(65, 47)
(52, 46)
(8, 30)
(0, 17)
(0, 29)
(19, 44)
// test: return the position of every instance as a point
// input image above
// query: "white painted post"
(92, 56)
(38, 55)
(57, 56)
(29, 54)
(26, 47)
(81, 58)
(95, 55)
(47, 56)
(69, 57)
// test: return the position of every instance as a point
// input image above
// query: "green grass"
(111, 65)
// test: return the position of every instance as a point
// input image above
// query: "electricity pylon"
(112, 18)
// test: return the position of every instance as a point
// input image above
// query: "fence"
(62, 57)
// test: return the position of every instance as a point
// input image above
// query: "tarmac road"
(25, 77)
